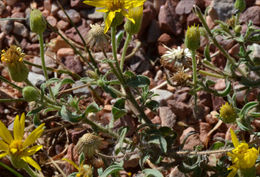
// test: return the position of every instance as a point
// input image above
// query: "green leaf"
(111, 170)
(226, 91)
(207, 53)
(57, 87)
(66, 115)
(138, 81)
(152, 172)
(110, 91)
(119, 37)
(247, 107)
(92, 107)
(81, 158)
(122, 136)
(35, 111)
(217, 145)
(157, 139)
(152, 104)
(118, 109)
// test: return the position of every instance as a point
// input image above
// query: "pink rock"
(220, 84)
(192, 141)
(253, 14)
(204, 130)
(184, 7)
(63, 25)
(168, 118)
(52, 20)
(192, 19)
(64, 52)
(73, 64)
(168, 19)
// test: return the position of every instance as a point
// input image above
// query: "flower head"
(88, 144)
(83, 169)
(227, 113)
(37, 21)
(16, 147)
(96, 38)
(181, 77)
(13, 58)
(242, 156)
(115, 8)
(137, 14)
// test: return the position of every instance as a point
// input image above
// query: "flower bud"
(135, 13)
(238, 29)
(240, 5)
(13, 58)
(227, 113)
(192, 38)
(30, 93)
(37, 21)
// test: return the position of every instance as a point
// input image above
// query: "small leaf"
(122, 135)
(138, 81)
(152, 104)
(111, 170)
(217, 145)
(157, 139)
(207, 53)
(68, 116)
(92, 107)
(152, 172)
(119, 37)
(118, 109)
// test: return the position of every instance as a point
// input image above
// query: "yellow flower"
(16, 147)
(83, 170)
(114, 8)
(13, 58)
(227, 113)
(242, 157)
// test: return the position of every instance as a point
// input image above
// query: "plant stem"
(127, 41)
(194, 68)
(10, 169)
(30, 171)
(211, 74)
(43, 63)
(222, 50)
(11, 100)
(10, 83)
(114, 49)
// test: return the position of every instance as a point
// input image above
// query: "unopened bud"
(37, 21)
(136, 14)
(240, 5)
(30, 93)
(192, 38)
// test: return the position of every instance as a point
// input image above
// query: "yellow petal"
(22, 122)
(130, 3)
(96, 3)
(30, 161)
(128, 17)
(32, 150)
(17, 129)
(102, 10)
(71, 162)
(34, 136)
(3, 155)
(234, 138)
(3, 146)
(111, 15)
(5, 134)
(233, 172)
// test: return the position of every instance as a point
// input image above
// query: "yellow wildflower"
(13, 58)
(242, 157)
(16, 147)
(114, 8)
(83, 170)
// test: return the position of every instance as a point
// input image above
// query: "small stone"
(162, 95)
(74, 3)
(157, 4)
(168, 19)
(73, 64)
(165, 39)
(2, 37)
(51, 20)
(255, 55)
(20, 29)
(11, 2)
(226, 43)
(63, 52)
(83, 91)
(63, 25)
(73, 14)
(49, 62)
(36, 79)
(95, 15)
(7, 26)
(251, 14)
(54, 9)
(18, 15)
(184, 7)
(192, 141)
(192, 19)
(220, 84)
(204, 130)
(211, 119)
(168, 118)
(57, 43)
(234, 51)
(222, 9)
(257, 2)
(182, 110)
(47, 5)
(126, 121)
(2, 7)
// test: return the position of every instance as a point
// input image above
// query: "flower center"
(16, 146)
(13, 54)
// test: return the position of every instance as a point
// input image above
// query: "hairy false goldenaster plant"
(18, 149)
(114, 8)
(243, 158)
(227, 113)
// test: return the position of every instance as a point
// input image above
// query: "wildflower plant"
(133, 98)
